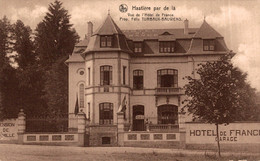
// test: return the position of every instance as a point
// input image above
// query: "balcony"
(156, 128)
(164, 127)
(169, 91)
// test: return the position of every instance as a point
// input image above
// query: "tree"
(55, 40)
(221, 95)
(55, 37)
(5, 38)
(56, 88)
(30, 85)
(8, 81)
(23, 45)
(4, 43)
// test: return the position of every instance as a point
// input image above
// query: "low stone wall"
(153, 144)
(102, 135)
(255, 148)
(149, 136)
(69, 139)
(234, 133)
(8, 131)
(151, 139)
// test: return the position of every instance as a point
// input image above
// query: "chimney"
(186, 27)
(90, 29)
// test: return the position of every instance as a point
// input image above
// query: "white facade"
(124, 62)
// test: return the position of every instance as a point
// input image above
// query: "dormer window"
(105, 41)
(209, 45)
(166, 46)
(138, 47)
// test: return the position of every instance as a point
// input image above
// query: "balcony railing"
(156, 127)
(164, 127)
(168, 91)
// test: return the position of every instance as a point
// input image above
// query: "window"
(167, 78)
(106, 140)
(138, 47)
(208, 45)
(167, 114)
(166, 46)
(88, 76)
(88, 116)
(105, 41)
(105, 75)
(124, 74)
(81, 72)
(81, 95)
(105, 113)
(138, 79)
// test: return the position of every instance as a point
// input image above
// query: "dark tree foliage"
(55, 37)
(221, 92)
(55, 40)
(5, 38)
(8, 81)
(56, 88)
(39, 83)
(30, 83)
(23, 45)
(221, 95)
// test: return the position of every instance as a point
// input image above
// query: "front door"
(138, 118)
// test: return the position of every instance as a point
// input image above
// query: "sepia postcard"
(130, 80)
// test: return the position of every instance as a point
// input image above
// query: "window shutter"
(175, 80)
(141, 82)
(110, 76)
(212, 45)
(109, 41)
(101, 77)
(103, 41)
(158, 78)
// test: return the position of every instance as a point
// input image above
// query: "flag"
(76, 106)
(122, 107)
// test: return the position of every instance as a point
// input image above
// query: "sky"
(238, 21)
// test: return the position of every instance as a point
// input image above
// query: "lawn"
(13, 152)
(177, 157)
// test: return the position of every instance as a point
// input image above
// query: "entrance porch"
(166, 120)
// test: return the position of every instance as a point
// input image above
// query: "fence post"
(87, 132)
(21, 126)
(147, 125)
(120, 128)
(182, 130)
(81, 128)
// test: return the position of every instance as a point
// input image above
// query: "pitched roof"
(74, 58)
(142, 34)
(82, 43)
(196, 47)
(119, 44)
(123, 39)
(206, 31)
(109, 27)
(166, 37)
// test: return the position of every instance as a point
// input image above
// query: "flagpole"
(117, 128)
(117, 122)
(76, 110)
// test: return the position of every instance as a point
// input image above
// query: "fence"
(33, 130)
(151, 137)
(165, 124)
(45, 123)
(163, 127)
(50, 137)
